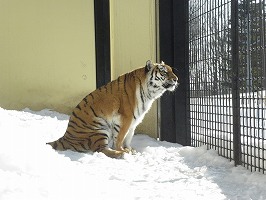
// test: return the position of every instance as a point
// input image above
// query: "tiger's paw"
(130, 151)
(133, 151)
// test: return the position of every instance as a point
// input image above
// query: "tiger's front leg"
(122, 134)
(126, 147)
(127, 141)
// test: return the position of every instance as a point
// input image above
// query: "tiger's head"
(161, 77)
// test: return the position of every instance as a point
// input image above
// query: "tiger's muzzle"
(171, 85)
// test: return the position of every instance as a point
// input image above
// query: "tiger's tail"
(62, 145)
(59, 144)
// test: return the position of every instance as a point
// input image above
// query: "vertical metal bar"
(172, 51)
(235, 83)
(243, 97)
(199, 77)
(157, 37)
(263, 43)
(228, 76)
(186, 62)
(179, 40)
(167, 103)
(254, 15)
(102, 40)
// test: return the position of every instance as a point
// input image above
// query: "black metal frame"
(235, 83)
(227, 79)
(173, 51)
(102, 42)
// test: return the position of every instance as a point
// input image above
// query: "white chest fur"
(144, 103)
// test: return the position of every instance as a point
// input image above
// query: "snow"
(30, 169)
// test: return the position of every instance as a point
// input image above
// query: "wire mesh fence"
(228, 90)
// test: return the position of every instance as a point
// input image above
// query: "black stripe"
(138, 110)
(70, 134)
(100, 147)
(116, 129)
(84, 126)
(69, 125)
(85, 99)
(75, 124)
(104, 125)
(74, 114)
(97, 134)
(118, 82)
(78, 107)
(156, 76)
(125, 83)
(105, 89)
(91, 96)
(55, 145)
(117, 125)
(69, 141)
(93, 111)
(89, 143)
(72, 145)
(143, 105)
(100, 139)
(93, 129)
(82, 145)
(98, 123)
(125, 88)
(152, 74)
(83, 132)
(61, 143)
(141, 90)
(142, 94)
(71, 137)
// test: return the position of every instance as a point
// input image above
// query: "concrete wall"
(47, 53)
(133, 42)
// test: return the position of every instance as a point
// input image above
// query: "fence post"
(102, 42)
(173, 50)
(180, 18)
(235, 83)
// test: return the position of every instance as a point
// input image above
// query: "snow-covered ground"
(30, 169)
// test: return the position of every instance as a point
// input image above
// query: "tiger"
(105, 120)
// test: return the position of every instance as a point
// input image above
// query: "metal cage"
(227, 86)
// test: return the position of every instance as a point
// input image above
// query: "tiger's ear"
(162, 63)
(148, 66)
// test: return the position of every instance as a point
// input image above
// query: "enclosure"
(56, 52)
(223, 100)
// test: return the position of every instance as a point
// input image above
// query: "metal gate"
(227, 85)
